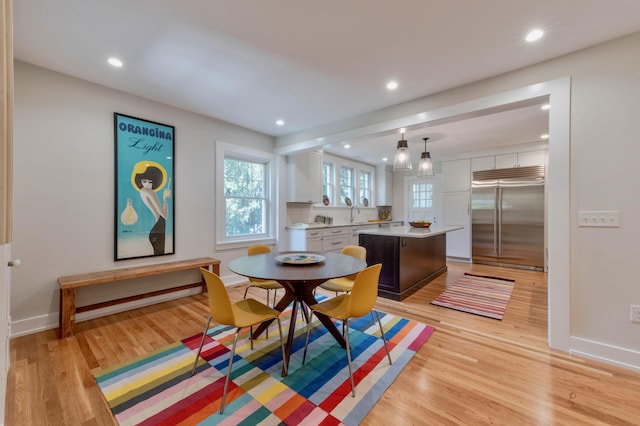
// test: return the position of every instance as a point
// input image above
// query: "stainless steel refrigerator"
(507, 217)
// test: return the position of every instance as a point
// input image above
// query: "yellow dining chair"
(242, 314)
(358, 303)
(264, 284)
(345, 284)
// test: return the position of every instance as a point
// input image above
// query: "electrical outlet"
(634, 313)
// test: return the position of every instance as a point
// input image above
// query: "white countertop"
(409, 232)
(322, 225)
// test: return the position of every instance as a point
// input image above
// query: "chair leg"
(226, 382)
(251, 336)
(348, 347)
(383, 338)
(246, 290)
(285, 361)
(204, 334)
(267, 331)
(306, 342)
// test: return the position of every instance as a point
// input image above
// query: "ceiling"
(309, 63)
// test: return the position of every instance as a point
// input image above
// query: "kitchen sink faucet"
(354, 207)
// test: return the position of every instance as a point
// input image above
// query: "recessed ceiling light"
(280, 122)
(115, 62)
(534, 35)
(385, 159)
(392, 85)
(545, 107)
(347, 146)
(545, 136)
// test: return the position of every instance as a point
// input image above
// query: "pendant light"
(402, 160)
(426, 166)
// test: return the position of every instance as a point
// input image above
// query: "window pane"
(422, 195)
(244, 216)
(245, 197)
(327, 180)
(365, 188)
(346, 184)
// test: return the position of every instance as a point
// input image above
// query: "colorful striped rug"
(476, 294)
(157, 388)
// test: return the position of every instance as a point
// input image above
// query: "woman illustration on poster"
(150, 177)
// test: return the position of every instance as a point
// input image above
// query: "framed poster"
(144, 182)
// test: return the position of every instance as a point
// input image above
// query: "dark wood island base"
(409, 261)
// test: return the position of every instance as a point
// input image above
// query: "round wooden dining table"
(299, 282)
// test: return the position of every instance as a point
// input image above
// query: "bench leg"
(67, 312)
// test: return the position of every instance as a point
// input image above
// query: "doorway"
(422, 199)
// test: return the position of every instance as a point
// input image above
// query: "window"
(343, 178)
(244, 188)
(245, 198)
(328, 182)
(346, 185)
(365, 188)
(422, 196)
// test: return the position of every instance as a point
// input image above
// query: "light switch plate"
(599, 219)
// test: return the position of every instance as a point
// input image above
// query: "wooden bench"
(69, 284)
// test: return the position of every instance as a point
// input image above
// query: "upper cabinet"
(305, 177)
(456, 175)
(521, 159)
(384, 185)
(483, 163)
(507, 161)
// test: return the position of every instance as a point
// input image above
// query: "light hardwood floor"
(473, 370)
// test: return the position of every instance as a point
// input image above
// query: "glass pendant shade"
(402, 160)
(426, 166)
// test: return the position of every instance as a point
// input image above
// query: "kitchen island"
(410, 257)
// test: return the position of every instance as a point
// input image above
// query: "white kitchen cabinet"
(483, 163)
(521, 159)
(305, 177)
(334, 239)
(456, 213)
(384, 185)
(305, 239)
(456, 175)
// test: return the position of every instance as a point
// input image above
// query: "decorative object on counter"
(348, 202)
(384, 214)
(300, 258)
(327, 220)
(426, 166)
(325, 200)
(479, 295)
(420, 224)
(154, 394)
(402, 160)
(365, 202)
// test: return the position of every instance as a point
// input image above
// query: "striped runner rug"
(158, 389)
(476, 294)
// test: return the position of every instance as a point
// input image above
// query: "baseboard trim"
(610, 354)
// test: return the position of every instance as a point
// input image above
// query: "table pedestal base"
(301, 293)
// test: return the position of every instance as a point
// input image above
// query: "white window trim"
(223, 150)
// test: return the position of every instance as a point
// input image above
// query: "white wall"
(603, 152)
(63, 188)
